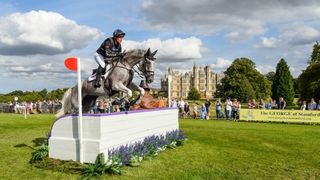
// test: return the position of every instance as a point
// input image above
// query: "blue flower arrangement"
(133, 154)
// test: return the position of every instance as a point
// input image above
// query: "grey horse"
(119, 79)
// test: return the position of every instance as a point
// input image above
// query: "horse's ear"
(154, 53)
(148, 52)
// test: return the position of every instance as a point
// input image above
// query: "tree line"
(243, 81)
(32, 96)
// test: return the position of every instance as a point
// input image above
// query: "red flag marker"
(74, 64)
(71, 63)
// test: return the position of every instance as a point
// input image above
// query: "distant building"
(203, 79)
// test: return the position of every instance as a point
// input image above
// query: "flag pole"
(80, 133)
(169, 90)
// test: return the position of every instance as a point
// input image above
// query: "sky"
(36, 36)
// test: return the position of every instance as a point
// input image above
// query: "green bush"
(40, 153)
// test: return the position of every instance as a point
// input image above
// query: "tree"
(296, 87)
(16, 93)
(43, 93)
(315, 56)
(33, 95)
(270, 76)
(193, 94)
(309, 79)
(243, 81)
(282, 85)
(309, 82)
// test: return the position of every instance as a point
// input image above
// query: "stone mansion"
(203, 79)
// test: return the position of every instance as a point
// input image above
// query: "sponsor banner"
(280, 115)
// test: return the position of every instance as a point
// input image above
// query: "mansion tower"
(203, 79)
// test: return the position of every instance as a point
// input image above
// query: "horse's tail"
(66, 103)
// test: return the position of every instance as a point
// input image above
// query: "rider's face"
(119, 40)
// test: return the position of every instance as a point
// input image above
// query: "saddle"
(94, 72)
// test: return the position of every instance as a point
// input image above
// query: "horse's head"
(147, 65)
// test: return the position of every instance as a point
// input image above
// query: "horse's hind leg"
(88, 103)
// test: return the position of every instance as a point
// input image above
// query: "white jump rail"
(102, 132)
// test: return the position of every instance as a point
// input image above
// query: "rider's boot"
(98, 76)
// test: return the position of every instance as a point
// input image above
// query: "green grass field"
(215, 150)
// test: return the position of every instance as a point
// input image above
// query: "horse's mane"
(136, 53)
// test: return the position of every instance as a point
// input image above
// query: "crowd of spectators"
(50, 106)
(312, 105)
(102, 105)
(202, 111)
(271, 104)
(230, 109)
(109, 105)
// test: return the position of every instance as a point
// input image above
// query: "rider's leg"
(98, 77)
(100, 60)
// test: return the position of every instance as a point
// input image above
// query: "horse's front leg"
(122, 88)
(141, 90)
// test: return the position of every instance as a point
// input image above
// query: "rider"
(109, 49)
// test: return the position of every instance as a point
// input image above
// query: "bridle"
(142, 71)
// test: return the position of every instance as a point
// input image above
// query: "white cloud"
(271, 42)
(221, 63)
(295, 71)
(292, 37)
(170, 50)
(264, 69)
(42, 32)
(240, 20)
(300, 34)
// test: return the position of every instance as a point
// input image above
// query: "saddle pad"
(92, 77)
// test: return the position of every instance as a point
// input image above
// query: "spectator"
(195, 111)
(101, 106)
(312, 105)
(174, 103)
(235, 109)
(186, 113)
(203, 112)
(274, 105)
(218, 109)
(261, 104)
(181, 106)
(318, 105)
(95, 107)
(116, 108)
(269, 104)
(108, 105)
(252, 104)
(160, 102)
(127, 105)
(207, 104)
(282, 103)
(228, 108)
(304, 105)
(116, 105)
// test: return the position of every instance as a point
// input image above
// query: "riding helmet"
(118, 32)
